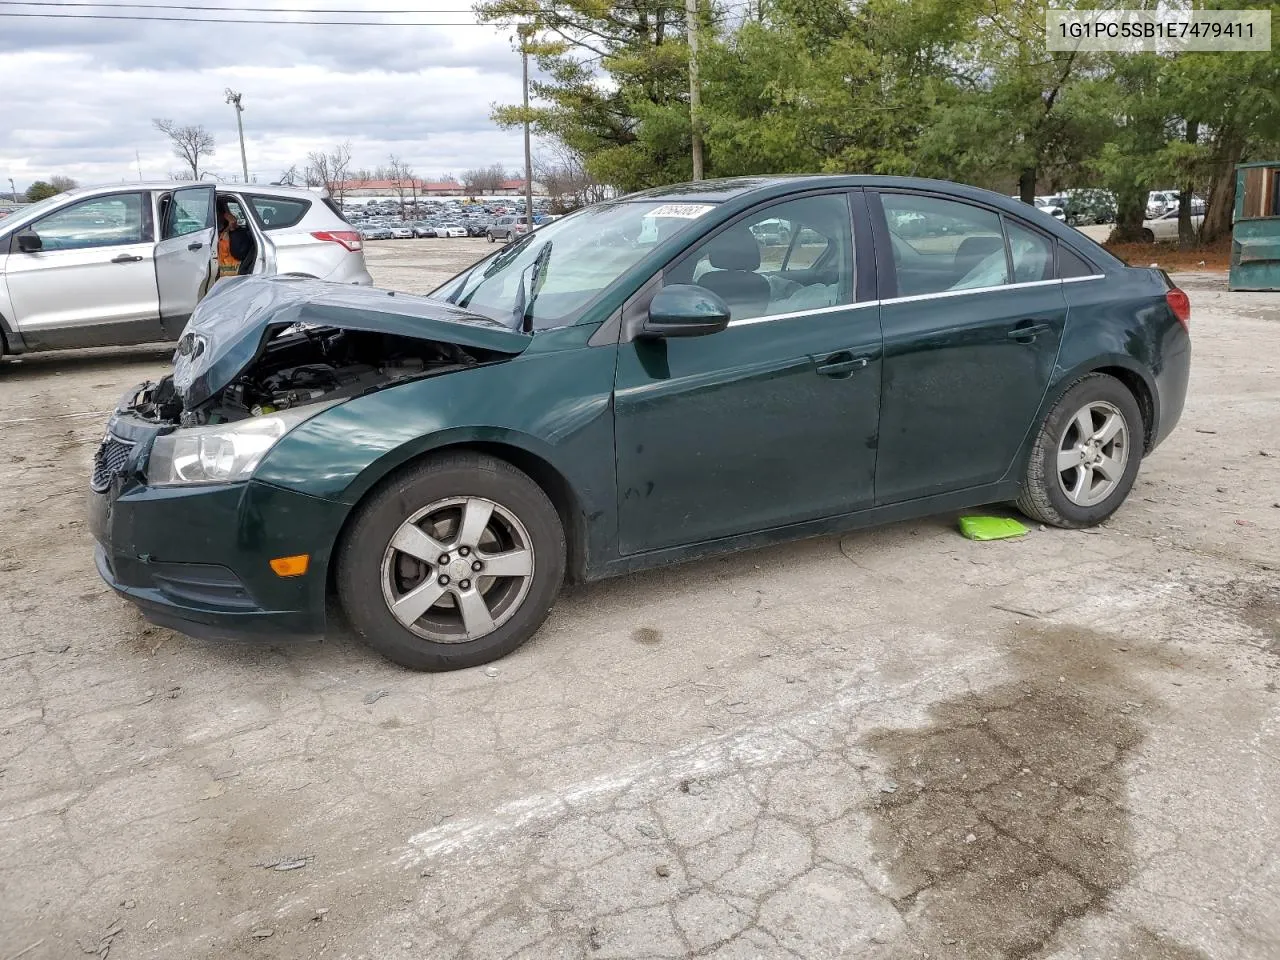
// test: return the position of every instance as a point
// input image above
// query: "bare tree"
(290, 177)
(190, 142)
(62, 183)
(329, 170)
(484, 179)
(399, 174)
(563, 173)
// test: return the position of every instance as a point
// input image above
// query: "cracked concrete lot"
(891, 744)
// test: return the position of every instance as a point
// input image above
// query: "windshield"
(545, 278)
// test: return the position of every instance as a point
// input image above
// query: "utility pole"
(526, 30)
(695, 97)
(233, 98)
(13, 190)
(138, 156)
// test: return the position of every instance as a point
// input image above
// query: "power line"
(203, 8)
(260, 23)
(531, 11)
(72, 7)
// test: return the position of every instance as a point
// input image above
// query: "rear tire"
(405, 570)
(1148, 236)
(1086, 455)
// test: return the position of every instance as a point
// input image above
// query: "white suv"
(125, 264)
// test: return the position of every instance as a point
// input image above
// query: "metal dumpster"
(1255, 235)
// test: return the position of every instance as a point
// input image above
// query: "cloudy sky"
(81, 93)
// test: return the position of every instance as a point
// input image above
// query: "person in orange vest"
(234, 242)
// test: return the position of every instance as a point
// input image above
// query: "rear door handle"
(1027, 331)
(195, 246)
(840, 364)
(125, 258)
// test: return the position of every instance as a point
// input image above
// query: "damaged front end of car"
(261, 356)
(174, 506)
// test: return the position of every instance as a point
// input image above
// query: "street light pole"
(525, 30)
(695, 96)
(13, 189)
(233, 98)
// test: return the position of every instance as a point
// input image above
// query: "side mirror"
(685, 310)
(29, 242)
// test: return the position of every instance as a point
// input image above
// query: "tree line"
(957, 89)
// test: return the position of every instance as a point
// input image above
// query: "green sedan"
(695, 369)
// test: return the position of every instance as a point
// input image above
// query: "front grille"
(109, 462)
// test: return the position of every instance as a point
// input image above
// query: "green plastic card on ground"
(991, 528)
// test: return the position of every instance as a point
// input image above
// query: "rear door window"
(941, 245)
(1032, 253)
(276, 213)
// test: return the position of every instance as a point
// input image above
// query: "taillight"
(348, 238)
(1181, 307)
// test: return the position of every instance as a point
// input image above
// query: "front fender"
(553, 405)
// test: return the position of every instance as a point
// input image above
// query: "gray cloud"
(82, 94)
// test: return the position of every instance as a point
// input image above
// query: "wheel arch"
(1123, 368)
(10, 340)
(1143, 393)
(539, 469)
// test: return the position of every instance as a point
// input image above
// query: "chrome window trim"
(957, 293)
(911, 299)
(804, 313)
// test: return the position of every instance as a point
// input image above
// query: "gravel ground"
(891, 744)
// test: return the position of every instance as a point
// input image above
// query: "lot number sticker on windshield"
(683, 211)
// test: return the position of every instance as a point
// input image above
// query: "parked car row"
(386, 219)
(505, 228)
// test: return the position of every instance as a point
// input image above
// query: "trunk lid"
(229, 329)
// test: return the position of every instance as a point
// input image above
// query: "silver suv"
(507, 229)
(125, 264)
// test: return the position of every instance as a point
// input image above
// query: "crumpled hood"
(228, 328)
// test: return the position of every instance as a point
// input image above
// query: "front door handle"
(840, 364)
(1027, 330)
(125, 258)
(195, 246)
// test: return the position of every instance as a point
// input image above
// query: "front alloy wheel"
(457, 569)
(451, 562)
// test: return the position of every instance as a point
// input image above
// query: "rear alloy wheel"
(464, 578)
(1086, 456)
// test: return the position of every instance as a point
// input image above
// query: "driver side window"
(110, 221)
(785, 258)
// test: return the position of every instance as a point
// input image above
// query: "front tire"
(452, 563)
(1086, 455)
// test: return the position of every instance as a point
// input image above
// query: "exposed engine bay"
(301, 364)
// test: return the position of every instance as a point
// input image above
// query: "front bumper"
(197, 559)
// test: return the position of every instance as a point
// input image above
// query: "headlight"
(224, 452)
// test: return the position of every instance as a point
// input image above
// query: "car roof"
(307, 193)
(732, 188)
